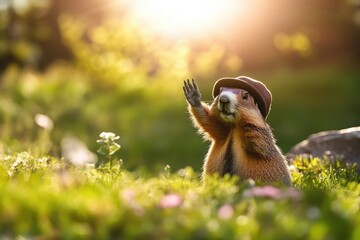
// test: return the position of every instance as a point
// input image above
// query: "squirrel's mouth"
(227, 116)
(227, 111)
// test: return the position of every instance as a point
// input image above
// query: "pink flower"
(272, 192)
(226, 212)
(266, 191)
(170, 201)
(128, 195)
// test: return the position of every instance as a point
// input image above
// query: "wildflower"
(108, 146)
(272, 192)
(266, 191)
(170, 201)
(109, 136)
(226, 212)
(44, 121)
(128, 195)
(75, 151)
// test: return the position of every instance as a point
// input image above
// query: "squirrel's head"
(248, 92)
(236, 103)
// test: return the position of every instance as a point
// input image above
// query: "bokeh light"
(189, 17)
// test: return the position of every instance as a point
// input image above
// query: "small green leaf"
(113, 148)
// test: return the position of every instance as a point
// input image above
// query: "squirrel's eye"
(245, 96)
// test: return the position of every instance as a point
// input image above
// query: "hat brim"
(240, 83)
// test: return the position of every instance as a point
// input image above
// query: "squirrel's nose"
(224, 99)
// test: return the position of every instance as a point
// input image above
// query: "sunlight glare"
(178, 17)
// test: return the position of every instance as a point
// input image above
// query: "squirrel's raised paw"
(192, 93)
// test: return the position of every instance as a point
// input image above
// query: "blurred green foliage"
(43, 197)
(154, 125)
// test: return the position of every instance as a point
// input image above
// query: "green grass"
(44, 197)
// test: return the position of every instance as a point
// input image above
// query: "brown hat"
(256, 88)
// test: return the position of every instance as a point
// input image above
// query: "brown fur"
(245, 147)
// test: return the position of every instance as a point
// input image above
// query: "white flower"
(109, 135)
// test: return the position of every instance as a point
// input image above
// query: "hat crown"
(257, 89)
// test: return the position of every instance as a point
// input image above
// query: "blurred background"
(118, 65)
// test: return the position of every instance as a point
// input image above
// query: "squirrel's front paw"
(192, 93)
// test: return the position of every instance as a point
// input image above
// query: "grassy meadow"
(42, 197)
(96, 141)
(152, 189)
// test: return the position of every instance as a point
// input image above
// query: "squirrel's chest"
(229, 159)
(233, 158)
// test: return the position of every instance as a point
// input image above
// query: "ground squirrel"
(242, 142)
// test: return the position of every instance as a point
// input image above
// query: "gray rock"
(339, 144)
